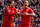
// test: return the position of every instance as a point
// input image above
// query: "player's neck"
(11, 6)
(25, 8)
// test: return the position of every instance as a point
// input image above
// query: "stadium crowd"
(33, 4)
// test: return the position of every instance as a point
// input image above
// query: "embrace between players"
(25, 13)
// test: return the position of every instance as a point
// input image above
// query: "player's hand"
(16, 10)
(19, 13)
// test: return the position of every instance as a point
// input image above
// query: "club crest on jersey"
(7, 8)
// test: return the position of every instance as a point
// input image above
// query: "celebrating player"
(26, 14)
(10, 11)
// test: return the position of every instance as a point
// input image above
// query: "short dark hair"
(10, 2)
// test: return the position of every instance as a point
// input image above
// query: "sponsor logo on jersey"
(13, 11)
(27, 10)
(9, 10)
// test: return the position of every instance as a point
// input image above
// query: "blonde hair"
(12, 1)
(26, 2)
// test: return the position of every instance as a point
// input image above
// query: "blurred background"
(33, 4)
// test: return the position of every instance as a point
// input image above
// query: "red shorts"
(24, 25)
(6, 25)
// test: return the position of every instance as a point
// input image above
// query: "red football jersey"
(8, 16)
(26, 19)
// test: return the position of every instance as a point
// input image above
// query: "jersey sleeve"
(6, 10)
(15, 9)
(30, 11)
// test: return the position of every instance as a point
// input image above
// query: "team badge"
(7, 8)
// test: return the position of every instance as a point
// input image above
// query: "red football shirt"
(26, 19)
(8, 15)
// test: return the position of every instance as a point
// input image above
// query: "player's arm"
(31, 13)
(20, 12)
(17, 13)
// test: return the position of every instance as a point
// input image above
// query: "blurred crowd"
(33, 4)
